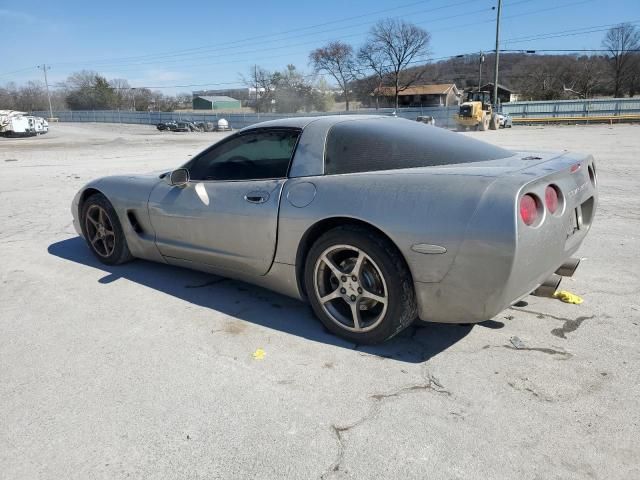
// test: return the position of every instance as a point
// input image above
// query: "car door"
(226, 216)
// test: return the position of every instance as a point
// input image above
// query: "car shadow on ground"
(262, 307)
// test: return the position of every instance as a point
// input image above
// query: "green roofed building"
(215, 103)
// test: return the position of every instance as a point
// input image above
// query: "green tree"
(89, 91)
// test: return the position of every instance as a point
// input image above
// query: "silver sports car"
(375, 221)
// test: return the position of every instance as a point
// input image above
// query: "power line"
(565, 33)
(258, 37)
(117, 62)
(289, 45)
(252, 52)
(567, 50)
(417, 61)
(312, 75)
(315, 42)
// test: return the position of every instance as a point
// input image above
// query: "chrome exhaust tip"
(548, 287)
(568, 268)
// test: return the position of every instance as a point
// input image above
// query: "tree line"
(88, 90)
(391, 47)
(393, 56)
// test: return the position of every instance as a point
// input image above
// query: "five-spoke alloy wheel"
(359, 285)
(103, 231)
(100, 231)
(351, 288)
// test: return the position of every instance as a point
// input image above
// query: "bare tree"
(588, 75)
(8, 96)
(399, 43)
(31, 96)
(634, 74)
(336, 58)
(184, 99)
(262, 82)
(622, 41)
(121, 93)
(371, 57)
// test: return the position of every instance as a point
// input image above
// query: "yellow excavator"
(477, 113)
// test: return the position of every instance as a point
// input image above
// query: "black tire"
(109, 249)
(399, 309)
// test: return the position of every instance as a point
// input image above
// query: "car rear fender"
(501, 258)
(416, 210)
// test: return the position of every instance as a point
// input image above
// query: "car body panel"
(214, 223)
(457, 226)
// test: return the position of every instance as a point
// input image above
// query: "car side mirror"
(179, 177)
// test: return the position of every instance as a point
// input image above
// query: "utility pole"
(255, 76)
(495, 77)
(481, 61)
(44, 68)
(133, 95)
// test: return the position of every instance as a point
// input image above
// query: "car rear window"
(394, 143)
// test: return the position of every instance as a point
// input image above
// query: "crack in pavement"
(536, 394)
(548, 351)
(569, 326)
(430, 383)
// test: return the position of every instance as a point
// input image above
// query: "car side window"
(249, 156)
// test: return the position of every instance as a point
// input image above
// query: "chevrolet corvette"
(375, 221)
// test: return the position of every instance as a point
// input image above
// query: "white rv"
(20, 124)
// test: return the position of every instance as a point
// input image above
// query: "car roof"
(302, 122)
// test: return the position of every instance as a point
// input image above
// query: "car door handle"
(256, 197)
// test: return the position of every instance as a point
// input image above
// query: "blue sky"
(163, 44)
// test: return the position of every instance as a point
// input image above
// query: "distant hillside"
(534, 77)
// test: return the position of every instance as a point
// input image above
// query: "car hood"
(122, 189)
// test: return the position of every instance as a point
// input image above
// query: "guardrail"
(592, 110)
(586, 119)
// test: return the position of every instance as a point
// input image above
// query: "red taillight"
(528, 209)
(551, 198)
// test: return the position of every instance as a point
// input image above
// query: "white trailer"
(20, 124)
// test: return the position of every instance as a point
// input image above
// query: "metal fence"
(444, 116)
(606, 107)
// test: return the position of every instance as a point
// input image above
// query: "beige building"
(436, 95)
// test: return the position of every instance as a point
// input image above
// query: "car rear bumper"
(502, 260)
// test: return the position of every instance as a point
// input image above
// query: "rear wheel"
(359, 285)
(103, 232)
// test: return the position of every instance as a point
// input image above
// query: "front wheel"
(103, 232)
(359, 285)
